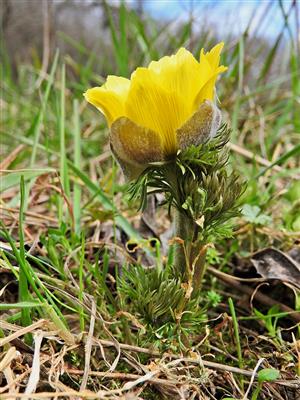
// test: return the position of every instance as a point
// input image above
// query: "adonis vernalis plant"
(166, 133)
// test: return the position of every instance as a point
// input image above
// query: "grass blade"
(63, 164)
(293, 152)
(24, 294)
(77, 163)
(23, 305)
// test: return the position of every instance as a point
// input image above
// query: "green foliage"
(213, 256)
(292, 215)
(254, 215)
(265, 375)
(213, 298)
(197, 184)
(161, 302)
(270, 320)
(293, 192)
(268, 375)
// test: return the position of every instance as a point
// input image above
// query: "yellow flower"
(161, 109)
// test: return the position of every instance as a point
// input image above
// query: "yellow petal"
(134, 146)
(207, 91)
(110, 98)
(118, 85)
(202, 125)
(213, 56)
(180, 74)
(150, 105)
(209, 63)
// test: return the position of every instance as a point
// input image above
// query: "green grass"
(66, 216)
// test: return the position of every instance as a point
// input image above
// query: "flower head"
(161, 109)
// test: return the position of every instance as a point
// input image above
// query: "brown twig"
(208, 364)
(122, 376)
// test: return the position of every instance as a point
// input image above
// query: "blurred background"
(31, 27)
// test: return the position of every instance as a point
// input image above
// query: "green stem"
(190, 254)
(257, 391)
(198, 258)
(184, 229)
